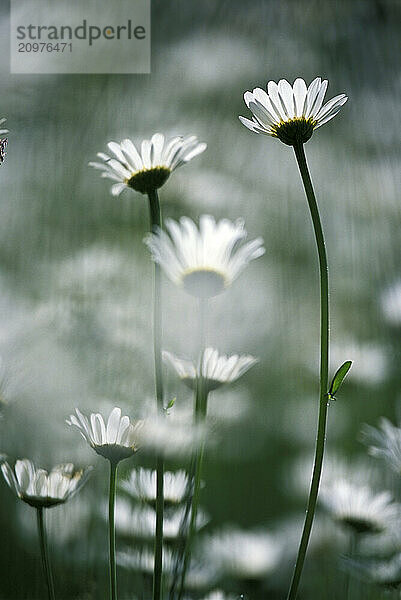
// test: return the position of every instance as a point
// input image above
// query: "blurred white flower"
(203, 261)
(234, 407)
(382, 544)
(215, 369)
(358, 507)
(43, 489)
(151, 167)
(384, 442)
(142, 560)
(219, 595)
(141, 522)
(385, 573)
(325, 535)
(369, 360)
(200, 574)
(290, 112)
(337, 467)
(391, 303)
(141, 484)
(243, 554)
(175, 435)
(3, 131)
(4, 385)
(115, 440)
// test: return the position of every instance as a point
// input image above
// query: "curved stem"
(156, 223)
(112, 532)
(44, 552)
(324, 366)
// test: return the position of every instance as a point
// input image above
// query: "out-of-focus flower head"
(385, 573)
(359, 507)
(141, 484)
(44, 489)
(243, 554)
(384, 442)
(200, 574)
(215, 370)
(203, 261)
(140, 522)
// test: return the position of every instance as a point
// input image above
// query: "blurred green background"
(75, 326)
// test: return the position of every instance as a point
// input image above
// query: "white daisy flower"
(203, 261)
(358, 507)
(150, 168)
(291, 113)
(43, 489)
(115, 440)
(243, 554)
(142, 485)
(384, 442)
(215, 370)
(3, 131)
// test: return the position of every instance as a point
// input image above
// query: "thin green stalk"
(201, 397)
(352, 554)
(156, 223)
(201, 403)
(44, 552)
(324, 368)
(177, 576)
(112, 531)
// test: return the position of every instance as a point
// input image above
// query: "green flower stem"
(353, 544)
(201, 396)
(324, 366)
(156, 223)
(112, 531)
(44, 552)
(200, 416)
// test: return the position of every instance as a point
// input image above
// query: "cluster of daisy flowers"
(136, 520)
(204, 259)
(354, 497)
(116, 438)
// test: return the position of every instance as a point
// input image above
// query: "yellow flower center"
(296, 130)
(148, 179)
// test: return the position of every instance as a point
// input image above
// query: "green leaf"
(339, 378)
(171, 403)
